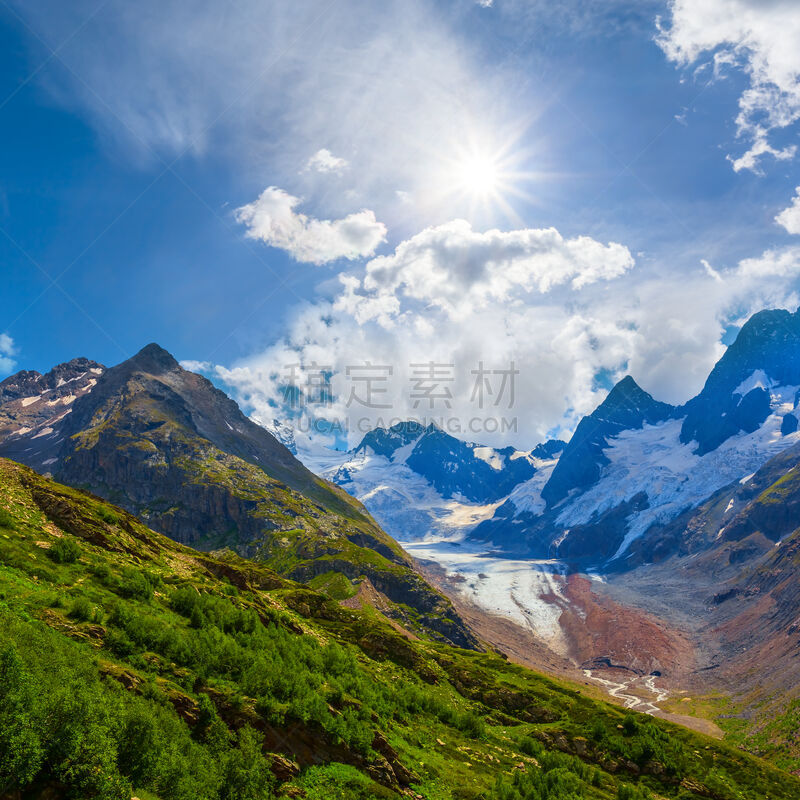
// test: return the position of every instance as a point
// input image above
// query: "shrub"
(247, 773)
(82, 610)
(628, 791)
(107, 515)
(137, 584)
(6, 520)
(65, 551)
(21, 751)
(102, 571)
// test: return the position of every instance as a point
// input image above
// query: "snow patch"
(66, 400)
(27, 401)
(757, 380)
(490, 456)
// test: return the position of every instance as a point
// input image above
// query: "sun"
(478, 175)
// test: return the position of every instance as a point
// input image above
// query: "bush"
(21, 751)
(628, 791)
(6, 520)
(82, 610)
(65, 551)
(137, 584)
(102, 571)
(629, 725)
(107, 515)
(247, 773)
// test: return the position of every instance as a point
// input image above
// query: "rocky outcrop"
(33, 408)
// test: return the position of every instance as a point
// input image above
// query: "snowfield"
(404, 503)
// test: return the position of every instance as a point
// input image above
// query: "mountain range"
(169, 447)
(631, 466)
(676, 512)
(652, 557)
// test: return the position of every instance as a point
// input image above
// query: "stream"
(631, 701)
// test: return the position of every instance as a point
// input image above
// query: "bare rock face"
(34, 406)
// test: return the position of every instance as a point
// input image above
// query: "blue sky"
(127, 152)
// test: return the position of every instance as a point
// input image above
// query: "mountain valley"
(651, 560)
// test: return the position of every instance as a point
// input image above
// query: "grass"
(144, 666)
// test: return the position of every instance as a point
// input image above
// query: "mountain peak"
(767, 347)
(385, 441)
(154, 359)
(628, 405)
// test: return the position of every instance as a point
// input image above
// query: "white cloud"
(196, 366)
(459, 269)
(710, 271)
(763, 38)
(7, 351)
(325, 161)
(272, 219)
(545, 302)
(790, 217)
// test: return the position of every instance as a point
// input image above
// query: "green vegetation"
(782, 489)
(141, 667)
(65, 551)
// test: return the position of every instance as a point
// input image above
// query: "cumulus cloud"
(272, 219)
(7, 352)
(790, 217)
(763, 38)
(563, 311)
(325, 161)
(458, 269)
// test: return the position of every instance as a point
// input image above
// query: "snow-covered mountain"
(632, 465)
(420, 482)
(635, 463)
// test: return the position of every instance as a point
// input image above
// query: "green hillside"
(131, 665)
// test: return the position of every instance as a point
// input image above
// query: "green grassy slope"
(133, 665)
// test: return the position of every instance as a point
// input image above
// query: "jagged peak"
(385, 441)
(627, 397)
(30, 381)
(766, 323)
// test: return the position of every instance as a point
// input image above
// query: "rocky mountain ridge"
(168, 446)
